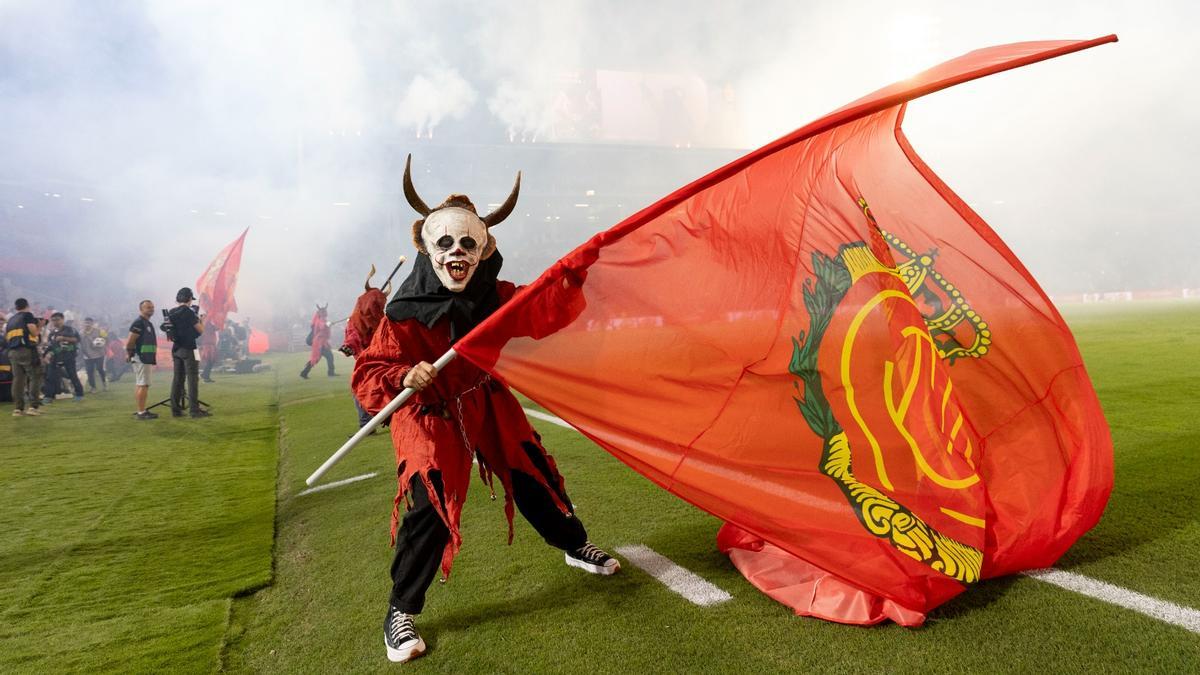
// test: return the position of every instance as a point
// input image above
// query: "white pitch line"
(338, 483)
(1184, 617)
(684, 582)
(547, 418)
(1169, 612)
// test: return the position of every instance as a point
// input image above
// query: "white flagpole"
(381, 417)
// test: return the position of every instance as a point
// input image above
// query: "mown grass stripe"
(680, 580)
(546, 417)
(1185, 617)
(338, 483)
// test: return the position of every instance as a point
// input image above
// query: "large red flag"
(824, 346)
(215, 287)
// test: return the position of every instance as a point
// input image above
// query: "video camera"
(168, 327)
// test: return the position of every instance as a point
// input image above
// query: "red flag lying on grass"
(824, 346)
(215, 287)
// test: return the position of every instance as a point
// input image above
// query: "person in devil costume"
(360, 327)
(457, 414)
(318, 337)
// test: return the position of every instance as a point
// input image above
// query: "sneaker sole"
(405, 653)
(593, 569)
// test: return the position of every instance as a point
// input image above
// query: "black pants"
(423, 535)
(95, 366)
(186, 367)
(63, 366)
(327, 355)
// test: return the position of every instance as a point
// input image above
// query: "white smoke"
(432, 97)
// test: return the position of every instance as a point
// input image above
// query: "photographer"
(64, 344)
(184, 326)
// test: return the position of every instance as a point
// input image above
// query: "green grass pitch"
(181, 545)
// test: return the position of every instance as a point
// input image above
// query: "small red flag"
(215, 287)
(824, 346)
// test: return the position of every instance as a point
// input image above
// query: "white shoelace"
(402, 625)
(592, 553)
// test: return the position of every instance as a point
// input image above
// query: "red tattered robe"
(463, 411)
(320, 339)
(367, 314)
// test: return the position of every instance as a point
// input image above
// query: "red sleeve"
(380, 369)
(506, 289)
(351, 340)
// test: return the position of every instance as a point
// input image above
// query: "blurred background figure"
(22, 332)
(318, 338)
(63, 344)
(93, 344)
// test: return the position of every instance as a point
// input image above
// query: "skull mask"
(456, 240)
(453, 235)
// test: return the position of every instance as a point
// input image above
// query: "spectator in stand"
(93, 345)
(141, 350)
(64, 345)
(21, 333)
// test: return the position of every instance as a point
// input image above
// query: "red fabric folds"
(824, 346)
(216, 286)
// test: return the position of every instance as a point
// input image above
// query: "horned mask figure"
(453, 235)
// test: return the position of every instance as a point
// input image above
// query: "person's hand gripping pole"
(421, 375)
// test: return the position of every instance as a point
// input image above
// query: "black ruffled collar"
(423, 297)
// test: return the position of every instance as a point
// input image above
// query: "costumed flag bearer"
(361, 325)
(457, 414)
(318, 337)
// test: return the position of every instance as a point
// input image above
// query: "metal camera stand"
(167, 401)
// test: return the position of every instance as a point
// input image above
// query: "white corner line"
(682, 581)
(546, 417)
(338, 483)
(1169, 612)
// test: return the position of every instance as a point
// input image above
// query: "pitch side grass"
(147, 547)
(124, 541)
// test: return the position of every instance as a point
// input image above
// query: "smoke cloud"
(140, 137)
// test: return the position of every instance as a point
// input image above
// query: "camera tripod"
(183, 403)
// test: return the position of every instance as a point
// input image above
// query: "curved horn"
(410, 192)
(367, 284)
(497, 216)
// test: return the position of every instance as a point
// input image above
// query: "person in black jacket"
(186, 328)
(63, 341)
(21, 334)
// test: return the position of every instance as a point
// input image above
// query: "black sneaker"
(201, 413)
(145, 415)
(400, 637)
(591, 559)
